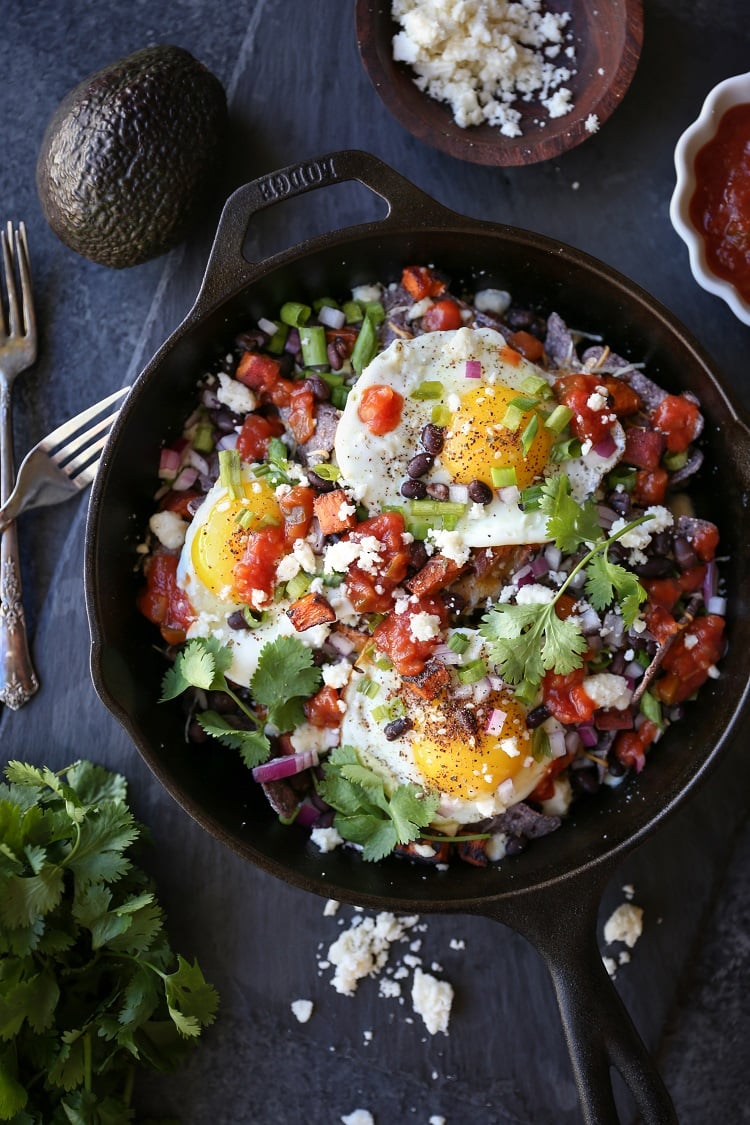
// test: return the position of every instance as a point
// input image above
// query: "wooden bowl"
(607, 35)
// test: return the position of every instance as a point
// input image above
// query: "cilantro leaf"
(285, 671)
(607, 582)
(528, 640)
(252, 744)
(569, 523)
(191, 1001)
(366, 813)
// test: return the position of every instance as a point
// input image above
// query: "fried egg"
(478, 756)
(475, 378)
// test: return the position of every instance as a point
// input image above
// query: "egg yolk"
(460, 756)
(476, 442)
(219, 542)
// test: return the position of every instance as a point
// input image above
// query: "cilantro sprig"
(284, 678)
(89, 986)
(369, 813)
(528, 640)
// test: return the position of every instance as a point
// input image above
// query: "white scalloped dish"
(727, 94)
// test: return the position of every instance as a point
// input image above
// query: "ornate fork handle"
(18, 680)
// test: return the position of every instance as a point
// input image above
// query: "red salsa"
(720, 207)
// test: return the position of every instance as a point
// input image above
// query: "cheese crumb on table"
(362, 950)
(624, 924)
(432, 1000)
(485, 58)
(302, 1010)
(359, 1117)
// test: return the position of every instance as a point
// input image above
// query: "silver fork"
(64, 462)
(18, 680)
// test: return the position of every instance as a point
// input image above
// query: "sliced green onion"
(287, 820)
(472, 672)
(245, 517)
(565, 450)
(353, 312)
(459, 642)
(368, 687)
(651, 708)
(559, 419)
(436, 508)
(268, 521)
(203, 438)
(339, 395)
(386, 712)
(313, 344)
(277, 453)
(512, 418)
(524, 403)
(531, 497)
(622, 476)
(540, 748)
(279, 338)
(331, 378)
(530, 431)
(326, 471)
(375, 310)
(333, 579)
(504, 477)
(672, 461)
(642, 657)
(230, 473)
(535, 385)
(295, 314)
(384, 663)
(298, 585)
(365, 345)
(441, 416)
(430, 389)
(253, 619)
(526, 692)
(325, 303)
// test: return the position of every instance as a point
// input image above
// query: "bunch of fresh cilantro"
(530, 639)
(89, 986)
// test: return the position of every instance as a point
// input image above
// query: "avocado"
(128, 154)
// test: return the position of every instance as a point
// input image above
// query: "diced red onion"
(292, 342)
(577, 581)
(717, 605)
(285, 766)
(607, 516)
(194, 504)
(676, 713)
(613, 627)
(482, 690)
(198, 461)
(523, 576)
(185, 479)
(553, 556)
(473, 369)
(590, 622)
(332, 318)
(495, 721)
(307, 815)
(588, 735)
(539, 566)
(496, 682)
(595, 643)
(446, 655)
(557, 743)
(606, 447)
(572, 742)
(458, 493)
(341, 644)
(634, 670)
(710, 581)
(463, 691)
(169, 463)
(229, 441)
(267, 326)
(509, 494)
(209, 398)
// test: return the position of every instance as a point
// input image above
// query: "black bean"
(221, 702)
(660, 543)
(318, 483)
(585, 780)
(479, 492)
(395, 729)
(420, 465)
(237, 620)
(454, 603)
(620, 502)
(320, 389)
(467, 719)
(286, 364)
(654, 568)
(615, 766)
(334, 357)
(537, 716)
(249, 341)
(196, 732)
(438, 491)
(514, 845)
(684, 554)
(414, 489)
(417, 554)
(224, 420)
(433, 438)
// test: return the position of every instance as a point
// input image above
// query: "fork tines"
(20, 318)
(71, 438)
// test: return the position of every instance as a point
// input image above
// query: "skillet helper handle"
(228, 269)
(598, 1029)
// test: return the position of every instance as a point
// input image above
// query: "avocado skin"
(128, 154)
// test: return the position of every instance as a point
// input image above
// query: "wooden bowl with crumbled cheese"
(509, 83)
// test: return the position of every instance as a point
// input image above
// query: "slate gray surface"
(297, 90)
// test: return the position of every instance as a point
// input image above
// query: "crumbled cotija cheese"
(362, 950)
(484, 56)
(302, 1010)
(432, 999)
(624, 924)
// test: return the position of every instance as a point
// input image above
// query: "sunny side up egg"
(474, 378)
(478, 756)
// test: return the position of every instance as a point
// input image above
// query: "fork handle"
(18, 680)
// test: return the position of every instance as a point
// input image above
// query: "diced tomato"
(530, 347)
(443, 316)
(302, 412)
(678, 418)
(257, 430)
(437, 573)
(394, 636)
(258, 371)
(371, 593)
(564, 606)
(659, 622)
(162, 601)
(178, 501)
(630, 746)
(510, 356)
(380, 409)
(297, 509)
(666, 592)
(704, 539)
(650, 486)
(322, 710)
(687, 662)
(625, 400)
(420, 282)
(643, 448)
(566, 698)
(256, 570)
(546, 787)
(574, 391)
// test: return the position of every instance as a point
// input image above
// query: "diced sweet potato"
(310, 610)
(332, 510)
(430, 682)
(437, 573)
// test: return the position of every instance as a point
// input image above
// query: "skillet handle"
(561, 922)
(228, 269)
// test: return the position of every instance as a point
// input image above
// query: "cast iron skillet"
(551, 892)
